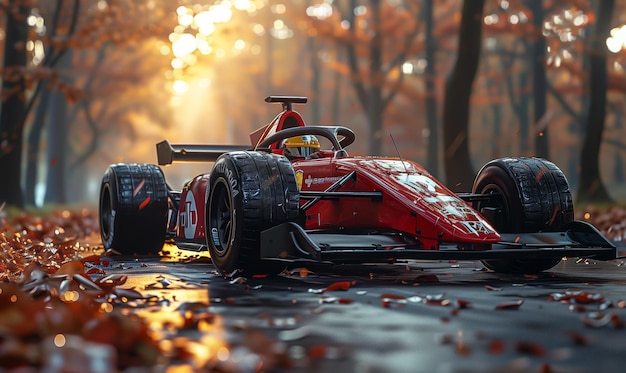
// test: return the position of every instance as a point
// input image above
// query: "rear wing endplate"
(168, 153)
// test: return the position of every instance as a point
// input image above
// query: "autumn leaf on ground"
(426, 279)
(530, 348)
(492, 288)
(47, 297)
(514, 305)
(339, 285)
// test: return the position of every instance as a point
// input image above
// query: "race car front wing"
(290, 242)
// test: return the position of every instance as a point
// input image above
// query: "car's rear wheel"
(248, 192)
(133, 208)
(530, 195)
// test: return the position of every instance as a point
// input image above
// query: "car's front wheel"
(248, 192)
(529, 195)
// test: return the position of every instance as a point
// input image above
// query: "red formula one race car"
(296, 194)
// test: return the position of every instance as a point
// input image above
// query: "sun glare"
(221, 13)
(617, 41)
(321, 11)
(180, 87)
(240, 44)
(186, 44)
(177, 64)
(242, 4)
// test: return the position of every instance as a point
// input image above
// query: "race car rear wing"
(168, 153)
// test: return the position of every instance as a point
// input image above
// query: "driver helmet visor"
(301, 146)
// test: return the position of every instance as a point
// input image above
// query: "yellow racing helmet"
(301, 146)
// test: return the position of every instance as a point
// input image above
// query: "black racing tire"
(531, 195)
(247, 193)
(133, 208)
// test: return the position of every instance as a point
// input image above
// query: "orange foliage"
(49, 298)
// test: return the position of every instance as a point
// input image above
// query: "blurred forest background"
(87, 83)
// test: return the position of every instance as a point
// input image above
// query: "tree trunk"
(457, 162)
(496, 109)
(539, 83)
(269, 62)
(432, 154)
(591, 188)
(33, 149)
(370, 97)
(375, 117)
(517, 94)
(316, 77)
(56, 151)
(13, 110)
(618, 170)
(523, 114)
(375, 104)
(336, 101)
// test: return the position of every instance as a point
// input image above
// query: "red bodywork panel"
(413, 202)
(285, 119)
(191, 209)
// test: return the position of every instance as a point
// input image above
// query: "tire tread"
(545, 204)
(269, 197)
(139, 197)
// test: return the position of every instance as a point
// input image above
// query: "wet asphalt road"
(403, 317)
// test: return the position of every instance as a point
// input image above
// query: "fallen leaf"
(577, 308)
(437, 300)
(496, 347)
(545, 368)
(336, 300)
(317, 351)
(71, 268)
(91, 259)
(446, 339)
(579, 338)
(426, 279)
(165, 282)
(339, 285)
(576, 296)
(392, 296)
(462, 348)
(95, 271)
(595, 319)
(128, 293)
(616, 321)
(392, 303)
(515, 305)
(530, 348)
(111, 281)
